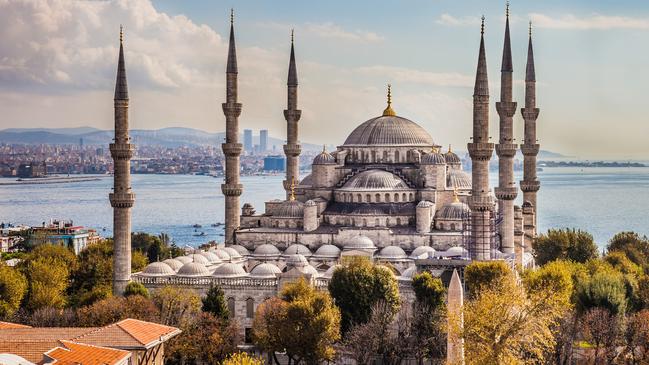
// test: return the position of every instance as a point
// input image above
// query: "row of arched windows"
(363, 222)
(375, 156)
(375, 198)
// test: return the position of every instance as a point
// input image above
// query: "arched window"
(398, 221)
(387, 197)
(396, 156)
(396, 197)
(405, 197)
(385, 156)
(231, 307)
(412, 196)
(364, 222)
(452, 226)
(250, 308)
(377, 197)
(387, 222)
(359, 198)
(368, 197)
(373, 156)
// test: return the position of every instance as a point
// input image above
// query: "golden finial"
(456, 198)
(292, 197)
(507, 9)
(433, 149)
(449, 148)
(482, 26)
(530, 29)
(231, 16)
(389, 112)
(292, 35)
(121, 33)
(324, 148)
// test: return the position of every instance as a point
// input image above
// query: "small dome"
(389, 130)
(158, 269)
(324, 158)
(458, 179)
(330, 272)
(454, 251)
(200, 259)
(433, 158)
(184, 259)
(453, 211)
(266, 251)
(296, 261)
(307, 181)
(359, 242)
(408, 273)
(290, 209)
(451, 158)
(265, 270)
(212, 257)
(229, 270)
(174, 264)
(392, 253)
(297, 249)
(425, 204)
(223, 254)
(420, 250)
(327, 251)
(375, 180)
(242, 251)
(309, 203)
(193, 269)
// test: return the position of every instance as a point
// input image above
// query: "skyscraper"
(263, 140)
(247, 140)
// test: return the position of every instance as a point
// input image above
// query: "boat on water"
(199, 234)
(217, 224)
(197, 225)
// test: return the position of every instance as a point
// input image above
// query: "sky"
(58, 62)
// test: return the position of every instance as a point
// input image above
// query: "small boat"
(199, 234)
(197, 225)
(217, 224)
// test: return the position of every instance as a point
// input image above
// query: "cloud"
(602, 22)
(447, 19)
(331, 30)
(402, 74)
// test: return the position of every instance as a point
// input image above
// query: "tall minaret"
(232, 189)
(530, 184)
(505, 149)
(292, 115)
(481, 201)
(122, 198)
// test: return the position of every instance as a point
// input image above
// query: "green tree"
(47, 269)
(242, 358)
(91, 280)
(134, 288)
(358, 285)
(178, 306)
(480, 275)
(214, 302)
(604, 288)
(138, 261)
(13, 287)
(304, 323)
(635, 247)
(429, 290)
(568, 244)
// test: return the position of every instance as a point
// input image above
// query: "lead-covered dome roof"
(433, 158)
(389, 130)
(453, 211)
(324, 158)
(290, 209)
(458, 179)
(376, 180)
(158, 269)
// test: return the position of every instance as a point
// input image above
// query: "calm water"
(602, 201)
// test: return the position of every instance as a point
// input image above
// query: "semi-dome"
(375, 180)
(392, 253)
(266, 250)
(200, 259)
(174, 264)
(453, 211)
(458, 179)
(359, 242)
(290, 209)
(454, 251)
(242, 251)
(327, 251)
(389, 130)
(158, 269)
(184, 259)
(425, 204)
(420, 250)
(229, 270)
(265, 270)
(324, 158)
(297, 249)
(193, 269)
(433, 158)
(296, 260)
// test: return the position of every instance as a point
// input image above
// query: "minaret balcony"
(232, 189)
(530, 149)
(292, 115)
(480, 151)
(530, 113)
(232, 149)
(482, 203)
(506, 193)
(121, 151)
(292, 149)
(506, 149)
(231, 109)
(121, 200)
(530, 186)
(506, 108)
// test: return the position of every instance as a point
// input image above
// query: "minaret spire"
(231, 189)
(505, 149)
(292, 114)
(122, 198)
(480, 149)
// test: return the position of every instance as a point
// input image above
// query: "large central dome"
(389, 130)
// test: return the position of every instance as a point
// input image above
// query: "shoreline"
(52, 180)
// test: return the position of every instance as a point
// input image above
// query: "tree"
(569, 244)
(480, 275)
(177, 306)
(242, 358)
(48, 281)
(138, 261)
(605, 289)
(633, 246)
(114, 309)
(50, 317)
(214, 302)
(304, 323)
(134, 288)
(602, 329)
(91, 280)
(429, 290)
(637, 337)
(13, 286)
(358, 285)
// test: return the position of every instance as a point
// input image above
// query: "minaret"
(292, 115)
(505, 149)
(231, 189)
(480, 149)
(122, 198)
(530, 184)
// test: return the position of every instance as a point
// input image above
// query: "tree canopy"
(13, 286)
(567, 244)
(214, 302)
(429, 290)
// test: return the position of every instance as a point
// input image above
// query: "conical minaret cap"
(292, 68)
(121, 86)
(530, 74)
(481, 80)
(507, 48)
(232, 49)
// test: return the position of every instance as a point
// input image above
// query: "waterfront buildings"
(77, 238)
(247, 141)
(263, 140)
(274, 163)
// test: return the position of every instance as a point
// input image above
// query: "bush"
(134, 288)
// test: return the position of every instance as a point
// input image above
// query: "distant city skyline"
(58, 66)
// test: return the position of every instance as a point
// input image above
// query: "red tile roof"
(129, 334)
(6, 325)
(73, 353)
(32, 343)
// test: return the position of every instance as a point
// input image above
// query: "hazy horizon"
(59, 62)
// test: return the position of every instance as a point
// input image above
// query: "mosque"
(388, 193)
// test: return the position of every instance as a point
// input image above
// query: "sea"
(599, 200)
